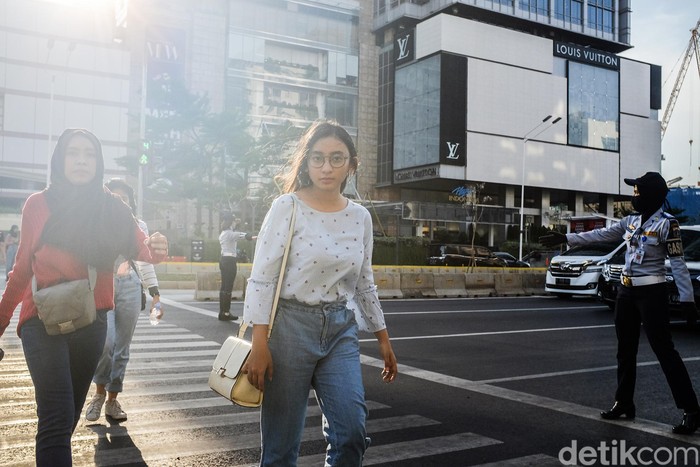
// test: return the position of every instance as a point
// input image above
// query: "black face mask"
(645, 205)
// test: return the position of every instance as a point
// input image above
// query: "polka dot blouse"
(330, 260)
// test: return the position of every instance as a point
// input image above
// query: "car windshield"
(592, 249)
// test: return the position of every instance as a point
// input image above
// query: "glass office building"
(293, 62)
(482, 100)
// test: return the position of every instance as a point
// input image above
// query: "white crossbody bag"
(226, 377)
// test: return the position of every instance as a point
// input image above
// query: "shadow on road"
(114, 446)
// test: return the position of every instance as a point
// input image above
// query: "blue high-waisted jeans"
(61, 367)
(314, 347)
(121, 323)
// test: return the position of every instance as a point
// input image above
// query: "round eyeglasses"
(336, 160)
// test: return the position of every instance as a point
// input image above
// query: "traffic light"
(145, 151)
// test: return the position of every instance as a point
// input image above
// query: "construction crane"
(693, 49)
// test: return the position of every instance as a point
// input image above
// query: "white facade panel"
(497, 159)
(20, 78)
(18, 150)
(479, 40)
(640, 149)
(511, 101)
(635, 92)
(17, 118)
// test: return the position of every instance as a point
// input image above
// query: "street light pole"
(541, 127)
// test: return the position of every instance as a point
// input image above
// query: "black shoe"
(689, 423)
(227, 317)
(618, 410)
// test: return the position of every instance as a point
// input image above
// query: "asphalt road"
(491, 381)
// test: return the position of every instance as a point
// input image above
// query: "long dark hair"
(297, 174)
(86, 220)
(120, 184)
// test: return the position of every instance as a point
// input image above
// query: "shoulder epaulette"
(667, 215)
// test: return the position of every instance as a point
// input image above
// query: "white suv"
(577, 270)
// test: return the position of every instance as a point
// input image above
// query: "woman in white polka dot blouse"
(314, 341)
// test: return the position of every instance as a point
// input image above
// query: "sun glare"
(96, 4)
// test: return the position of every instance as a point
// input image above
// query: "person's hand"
(156, 299)
(158, 243)
(552, 239)
(690, 312)
(258, 365)
(391, 367)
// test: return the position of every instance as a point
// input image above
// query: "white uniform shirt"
(229, 242)
(329, 261)
(659, 238)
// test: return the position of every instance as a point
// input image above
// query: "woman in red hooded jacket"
(73, 223)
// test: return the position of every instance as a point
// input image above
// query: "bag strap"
(92, 279)
(285, 255)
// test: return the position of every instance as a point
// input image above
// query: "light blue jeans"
(121, 323)
(314, 347)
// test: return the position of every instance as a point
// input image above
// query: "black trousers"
(648, 304)
(228, 268)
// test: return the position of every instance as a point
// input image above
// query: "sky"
(660, 35)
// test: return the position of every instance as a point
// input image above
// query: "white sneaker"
(94, 408)
(114, 410)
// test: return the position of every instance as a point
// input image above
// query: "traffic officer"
(651, 235)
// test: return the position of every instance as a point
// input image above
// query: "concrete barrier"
(479, 284)
(208, 285)
(449, 285)
(388, 284)
(417, 285)
(392, 282)
(533, 282)
(509, 284)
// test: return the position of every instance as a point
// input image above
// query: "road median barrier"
(208, 285)
(533, 283)
(479, 284)
(388, 284)
(391, 281)
(509, 284)
(449, 285)
(417, 285)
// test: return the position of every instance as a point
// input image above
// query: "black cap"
(650, 182)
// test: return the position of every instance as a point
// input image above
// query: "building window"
(539, 7)
(283, 20)
(290, 102)
(570, 11)
(600, 15)
(594, 103)
(417, 114)
(341, 107)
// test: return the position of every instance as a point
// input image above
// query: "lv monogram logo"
(403, 47)
(452, 147)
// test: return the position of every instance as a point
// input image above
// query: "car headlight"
(593, 268)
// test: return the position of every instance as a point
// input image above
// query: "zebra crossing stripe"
(164, 450)
(165, 337)
(174, 345)
(414, 449)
